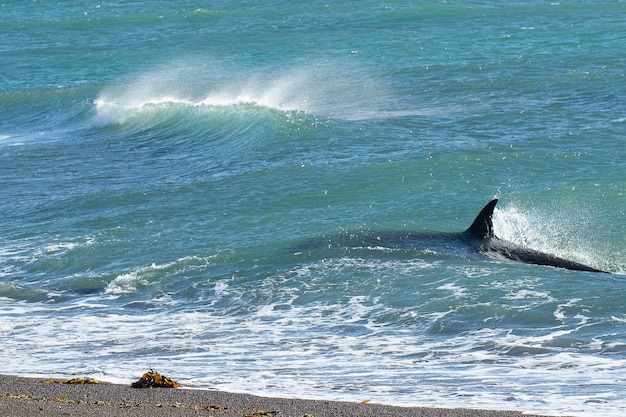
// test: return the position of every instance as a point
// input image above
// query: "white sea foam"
(287, 353)
(124, 283)
(131, 282)
(327, 329)
(457, 292)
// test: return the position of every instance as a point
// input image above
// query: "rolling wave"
(46, 115)
(331, 89)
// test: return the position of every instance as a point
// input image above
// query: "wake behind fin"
(483, 227)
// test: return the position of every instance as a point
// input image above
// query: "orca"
(479, 238)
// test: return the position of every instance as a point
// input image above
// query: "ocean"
(166, 169)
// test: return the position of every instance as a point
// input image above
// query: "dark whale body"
(481, 238)
(478, 238)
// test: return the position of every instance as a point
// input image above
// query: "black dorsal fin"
(483, 227)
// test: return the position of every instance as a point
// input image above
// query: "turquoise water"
(167, 166)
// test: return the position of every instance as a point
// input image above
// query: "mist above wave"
(329, 89)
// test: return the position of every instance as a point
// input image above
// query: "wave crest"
(327, 90)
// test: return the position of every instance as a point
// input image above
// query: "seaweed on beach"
(73, 381)
(153, 379)
(80, 381)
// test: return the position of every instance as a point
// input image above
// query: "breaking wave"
(320, 88)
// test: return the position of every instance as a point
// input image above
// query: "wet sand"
(45, 397)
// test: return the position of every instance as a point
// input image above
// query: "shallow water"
(165, 168)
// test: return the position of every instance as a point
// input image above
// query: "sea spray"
(317, 88)
(183, 153)
(549, 230)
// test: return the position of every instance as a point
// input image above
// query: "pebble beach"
(21, 396)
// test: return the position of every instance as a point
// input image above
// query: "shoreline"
(28, 396)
